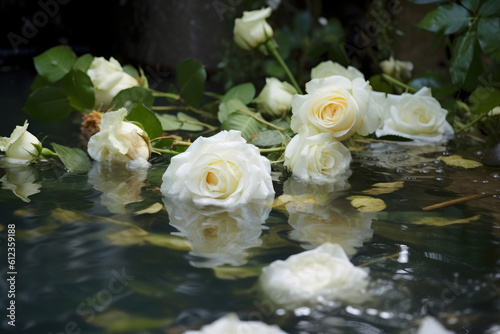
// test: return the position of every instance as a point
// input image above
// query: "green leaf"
(483, 99)
(129, 69)
(471, 5)
(229, 107)
(490, 8)
(380, 85)
(244, 92)
(244, 123)
(268, 138)
(464, 56)
(74, 159)
(488, 34)
(440, 84)
(38, 82)
(55, 63)
(181, 121)
(447, 19)
(83, 62)
(163, 143)
(425, 2)
(80, 90)
(48, 104)
(147, 118)
(130, 97)
(116, 321)
(191, 76)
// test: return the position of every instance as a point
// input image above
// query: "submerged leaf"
(234, 273)
(157, 207)
(66, 216)
(129, 237)
(384, 188)
(443, 221)
(116, 321)
(74, 159)
(458, 161)
(367, 203)
(169, 241)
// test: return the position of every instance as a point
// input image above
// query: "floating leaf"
(157, 207)
(116, 321)
(234, 273)
(458, 161)
(129, 237)
(55, 63)
(191, 76)
(80, 90)
(130, 97)
(384, 188)
(66, 216)
(150, 123)
(443, 221)
(74, 159)
(169, 241)
(367, 203)
(48, 104)
(244, 92)
(181, 121)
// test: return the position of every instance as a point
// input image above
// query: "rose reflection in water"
(218, 236)
(119, 186)
(321, 221)
(21, 181)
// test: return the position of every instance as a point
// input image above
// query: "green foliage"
(79, 89)
(83, 62)
(180, 121)
(226, 108)
(74, 159)
(447, 19)
(268, 138)
(48, 104)
(440, 84)
(55, 63)
(248, 126)
(150, 123)
(130, 97)
(244, 92)
(191, 77)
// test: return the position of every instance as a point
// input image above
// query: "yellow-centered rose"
(336, 105)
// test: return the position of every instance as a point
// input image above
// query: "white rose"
(336, 105)
(119, 186)
(221, 170)
(118, 141)
(316, 157)
(398, 69)
(108, 79)
(251, 30)
(324, 273)
(218, 236)
(230, 324)
(494, 112)
(430, 325)
(329, 68)
(344, 226)
(19, 147)
(416, 116)
(21, 180)
(275, 99)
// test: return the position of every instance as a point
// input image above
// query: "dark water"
(88, 261)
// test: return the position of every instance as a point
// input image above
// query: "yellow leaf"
(129, 237)
(458, 161)
(384, 188)
(169, 241)
(66, 216)
(367, 203)
(157, 207)
(233, 273)
(443, 221)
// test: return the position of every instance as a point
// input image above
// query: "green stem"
(167, 95)
(273, 149)
(202, 113)
(164, 150)
(168, 108)
(271, 47)
(477, 119)
(399, 83)
(214, 95)
(245, 112)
